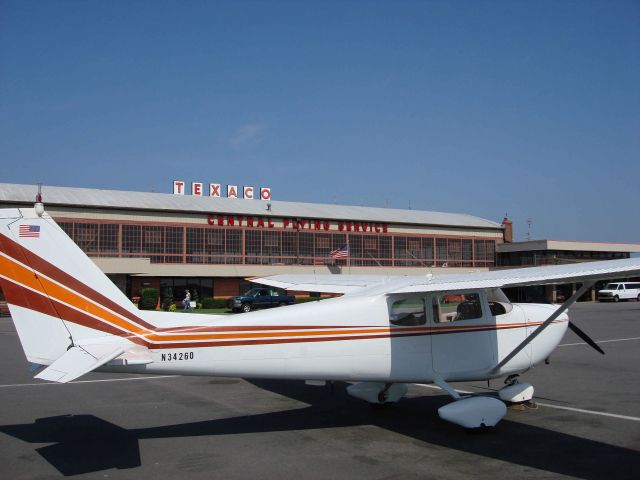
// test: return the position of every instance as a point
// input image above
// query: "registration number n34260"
(176, 357)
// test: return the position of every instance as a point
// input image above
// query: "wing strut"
(570, 301)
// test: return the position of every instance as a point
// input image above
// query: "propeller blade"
(585, 337)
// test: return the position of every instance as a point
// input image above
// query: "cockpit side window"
(456, 307)
(407, 312)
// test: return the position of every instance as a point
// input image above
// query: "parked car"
(615, 292)
(260, 298)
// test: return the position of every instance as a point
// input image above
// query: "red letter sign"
(214, 189)
(178, 187)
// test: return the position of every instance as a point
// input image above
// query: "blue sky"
(478, 107)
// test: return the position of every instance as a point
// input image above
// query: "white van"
(620, 291)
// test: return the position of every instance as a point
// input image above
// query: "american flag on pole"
(29, 231)
(342, 252)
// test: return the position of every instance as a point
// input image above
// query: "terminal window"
(234, 245)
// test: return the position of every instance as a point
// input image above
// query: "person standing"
(187, 300)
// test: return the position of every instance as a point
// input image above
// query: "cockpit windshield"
(498, 302)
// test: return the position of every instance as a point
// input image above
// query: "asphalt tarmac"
(586, 424)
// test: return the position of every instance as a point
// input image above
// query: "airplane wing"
(514, 277)
(520, 277)
(322, 283)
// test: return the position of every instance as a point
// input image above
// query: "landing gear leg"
(378, 393)
(382, 396)
(511, 380)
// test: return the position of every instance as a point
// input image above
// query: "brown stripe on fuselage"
(252, 328)
(233, 343)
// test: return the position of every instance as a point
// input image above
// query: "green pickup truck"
(260, 298)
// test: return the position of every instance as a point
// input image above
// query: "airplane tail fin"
(63, 306)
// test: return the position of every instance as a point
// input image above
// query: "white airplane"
(381, 335)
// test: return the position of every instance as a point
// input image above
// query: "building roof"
(167, 202)
(567, 245)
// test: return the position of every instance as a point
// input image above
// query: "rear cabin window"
(456, 307)
(408, 312)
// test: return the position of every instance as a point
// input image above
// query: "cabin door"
(463, 334)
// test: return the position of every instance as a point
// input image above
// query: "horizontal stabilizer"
(136, 355)
(79, 360)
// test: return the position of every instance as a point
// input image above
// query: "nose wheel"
(516, 393)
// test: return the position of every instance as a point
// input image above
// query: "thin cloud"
(247, 135)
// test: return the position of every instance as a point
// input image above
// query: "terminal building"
(535, 253)
(213, 244)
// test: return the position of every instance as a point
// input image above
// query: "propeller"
(574, 328)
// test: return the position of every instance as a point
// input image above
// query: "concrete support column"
(550, 293)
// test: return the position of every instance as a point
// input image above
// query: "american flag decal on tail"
(29, 231)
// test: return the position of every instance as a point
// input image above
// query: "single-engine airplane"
(380, 335)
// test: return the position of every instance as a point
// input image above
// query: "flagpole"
(348, 254)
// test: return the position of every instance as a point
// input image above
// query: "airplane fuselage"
(329, 340)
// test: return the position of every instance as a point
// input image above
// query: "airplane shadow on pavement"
(84, 444)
